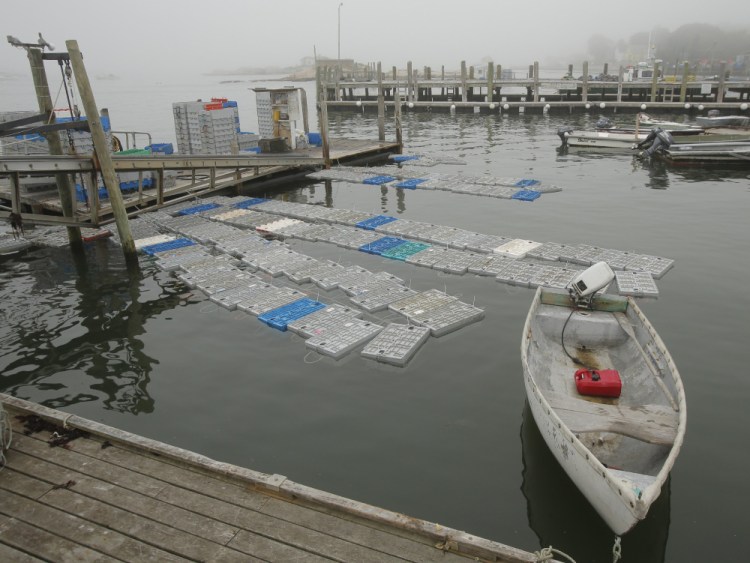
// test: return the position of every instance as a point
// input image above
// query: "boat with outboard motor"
(606, 135)
(605, 394)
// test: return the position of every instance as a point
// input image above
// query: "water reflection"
(561, 516)
(73, 325)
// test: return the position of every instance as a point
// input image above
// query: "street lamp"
(339, 52)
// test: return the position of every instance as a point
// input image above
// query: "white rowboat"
(619, 452)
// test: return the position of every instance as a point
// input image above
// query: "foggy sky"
(173, 38)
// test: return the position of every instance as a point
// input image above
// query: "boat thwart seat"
(655, 424)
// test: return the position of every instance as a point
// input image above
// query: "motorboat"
(618, 450)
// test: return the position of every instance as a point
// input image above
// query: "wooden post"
(606, 69)
(15, 192)
(536, 81)
(442, 80)
(464, 91)
(409, 83)
(397, 113)
(101, 148)
(585, 85)
(323, 120)
(683, 88)
(394, 71)
(570, 71)
(490, 81)
(381, 106)
(620, 76)
(722, 81)
(160, 186)
(64, 186)
(655, 82)
(94, 197)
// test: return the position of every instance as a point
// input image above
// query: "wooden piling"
(102, 151)
(620, 77)
(655, 81)
(381, 106)
(536, 81)
(397, 113)
(323, 120)
(65, 187)
(722, 81)
(585, 85)
(683, 86)
(409, 83)
(464, 91)
(490, 81)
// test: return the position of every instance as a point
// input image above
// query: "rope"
(616, 550)
(6, 435)
(548, 554)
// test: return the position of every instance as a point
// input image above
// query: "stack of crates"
(33, 144)
(206, 128)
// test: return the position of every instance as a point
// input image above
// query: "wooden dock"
(495, 92)
(199, 176)
(77, 490)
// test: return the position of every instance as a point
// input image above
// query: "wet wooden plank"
(262, 516)
(44, 545)
(80, 531)
(132, 501)
(97, 479)
(8, 553)
(356, 532)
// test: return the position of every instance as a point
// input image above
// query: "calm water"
(448, 438)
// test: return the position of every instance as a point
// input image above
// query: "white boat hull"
(623, 492)
(596, 487)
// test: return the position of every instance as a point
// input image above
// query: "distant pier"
(496, 91)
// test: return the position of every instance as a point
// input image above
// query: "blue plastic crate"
(404, 251)
(403, 157)
(252, 149)
(280, 317)
(161, 148)
(374, 222)
(229, 104)
(526, 182)
(381, 245)
(378, 180)
(410, 184)
(164, 246)
(526, 195)
(248, 203)
(314, 139)
(198, 209)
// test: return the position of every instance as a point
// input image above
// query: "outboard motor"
(564, 132)
(658, 138)
(604, 123)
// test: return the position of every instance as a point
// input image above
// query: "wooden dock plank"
(189, 506)
(159, 511)
(82, 532)
(355, 532)
(359, 533)
(197, 482)
(44, 545)
(100, 479)
(8, 553)
(127, 499)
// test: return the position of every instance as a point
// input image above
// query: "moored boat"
(620, 450)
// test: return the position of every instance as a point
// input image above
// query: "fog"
(175, 38)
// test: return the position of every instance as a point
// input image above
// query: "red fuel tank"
(598, 382)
